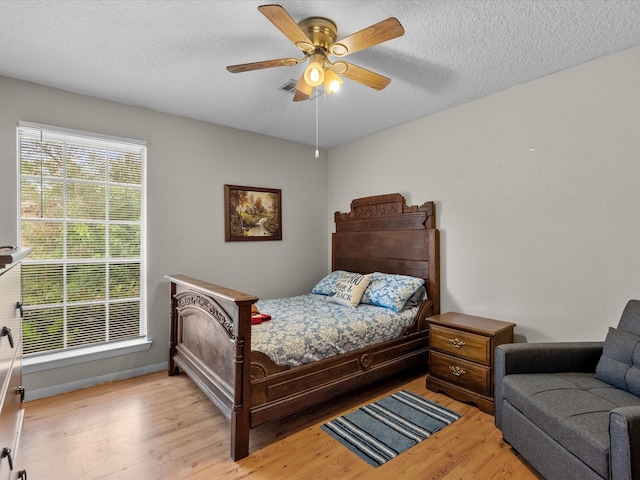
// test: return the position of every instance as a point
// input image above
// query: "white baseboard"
(89, 382)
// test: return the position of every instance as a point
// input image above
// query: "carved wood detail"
(262, 366)
(209, 306)
(387, 205)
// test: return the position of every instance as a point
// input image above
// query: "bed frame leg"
(240, 414)
(239, 436)
(173, 321)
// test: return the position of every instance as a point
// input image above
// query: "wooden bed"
(211, 325)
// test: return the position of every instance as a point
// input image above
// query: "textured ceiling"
(171, 56)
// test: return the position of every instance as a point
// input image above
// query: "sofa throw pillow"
(619, 364)
(348, 289)
(325, 286)
(633, 375)
(391, 291)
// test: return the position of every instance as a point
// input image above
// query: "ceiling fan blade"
(247, 67)
(362, 75)
(299, 96)
(287, 25)
(380, 32)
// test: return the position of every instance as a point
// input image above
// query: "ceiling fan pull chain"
(317, 151)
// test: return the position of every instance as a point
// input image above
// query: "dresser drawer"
(9, 318)
(11, 417)
(461, 344)
(460, 372)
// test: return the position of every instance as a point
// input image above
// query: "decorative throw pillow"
(325, 286)
(348, 289)
(619, 364)
(633, 375)
(391, 291)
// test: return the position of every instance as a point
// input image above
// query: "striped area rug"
(382, 430)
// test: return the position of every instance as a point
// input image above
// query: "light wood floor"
(161, 427)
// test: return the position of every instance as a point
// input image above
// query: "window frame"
(70, 355)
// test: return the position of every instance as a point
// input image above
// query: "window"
(82, 209)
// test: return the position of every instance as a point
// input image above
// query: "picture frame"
(252, 214)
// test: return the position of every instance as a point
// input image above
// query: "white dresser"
(11, 390)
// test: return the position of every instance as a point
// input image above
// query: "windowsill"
(48, 361)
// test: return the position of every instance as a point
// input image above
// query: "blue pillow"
(391, 291)
(326, 285)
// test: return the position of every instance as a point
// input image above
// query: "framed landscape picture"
(252, 213)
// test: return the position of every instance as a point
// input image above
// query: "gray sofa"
(572, 410)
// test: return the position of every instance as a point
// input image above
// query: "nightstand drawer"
(460, 372)
(461, 344)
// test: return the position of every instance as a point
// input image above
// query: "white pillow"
(348, 289)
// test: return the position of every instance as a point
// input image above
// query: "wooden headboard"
(383, 234)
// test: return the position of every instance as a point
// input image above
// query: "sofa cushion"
(572, 408)
(620, 361)
(630, 319)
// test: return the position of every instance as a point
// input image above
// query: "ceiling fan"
(316, 37)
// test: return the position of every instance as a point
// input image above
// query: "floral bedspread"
(306, 328)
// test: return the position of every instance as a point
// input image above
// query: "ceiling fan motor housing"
(321, 31)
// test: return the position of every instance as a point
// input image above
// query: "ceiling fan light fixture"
(314, 74)
(332, 82)
(304, 87)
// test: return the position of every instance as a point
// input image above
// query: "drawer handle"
(6, 332)
(456, 342)
(22, 475)
(6, 452)
(457, 371)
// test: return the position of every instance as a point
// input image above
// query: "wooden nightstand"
(461, 356)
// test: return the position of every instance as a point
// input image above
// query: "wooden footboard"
(210, 341)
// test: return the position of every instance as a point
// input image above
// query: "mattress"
(307, 328)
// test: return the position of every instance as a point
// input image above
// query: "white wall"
(537, 191)
(188, 164)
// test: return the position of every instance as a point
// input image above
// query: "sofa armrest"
(624, 451)
(553, 357)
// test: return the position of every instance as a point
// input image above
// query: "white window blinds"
(82, 209)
